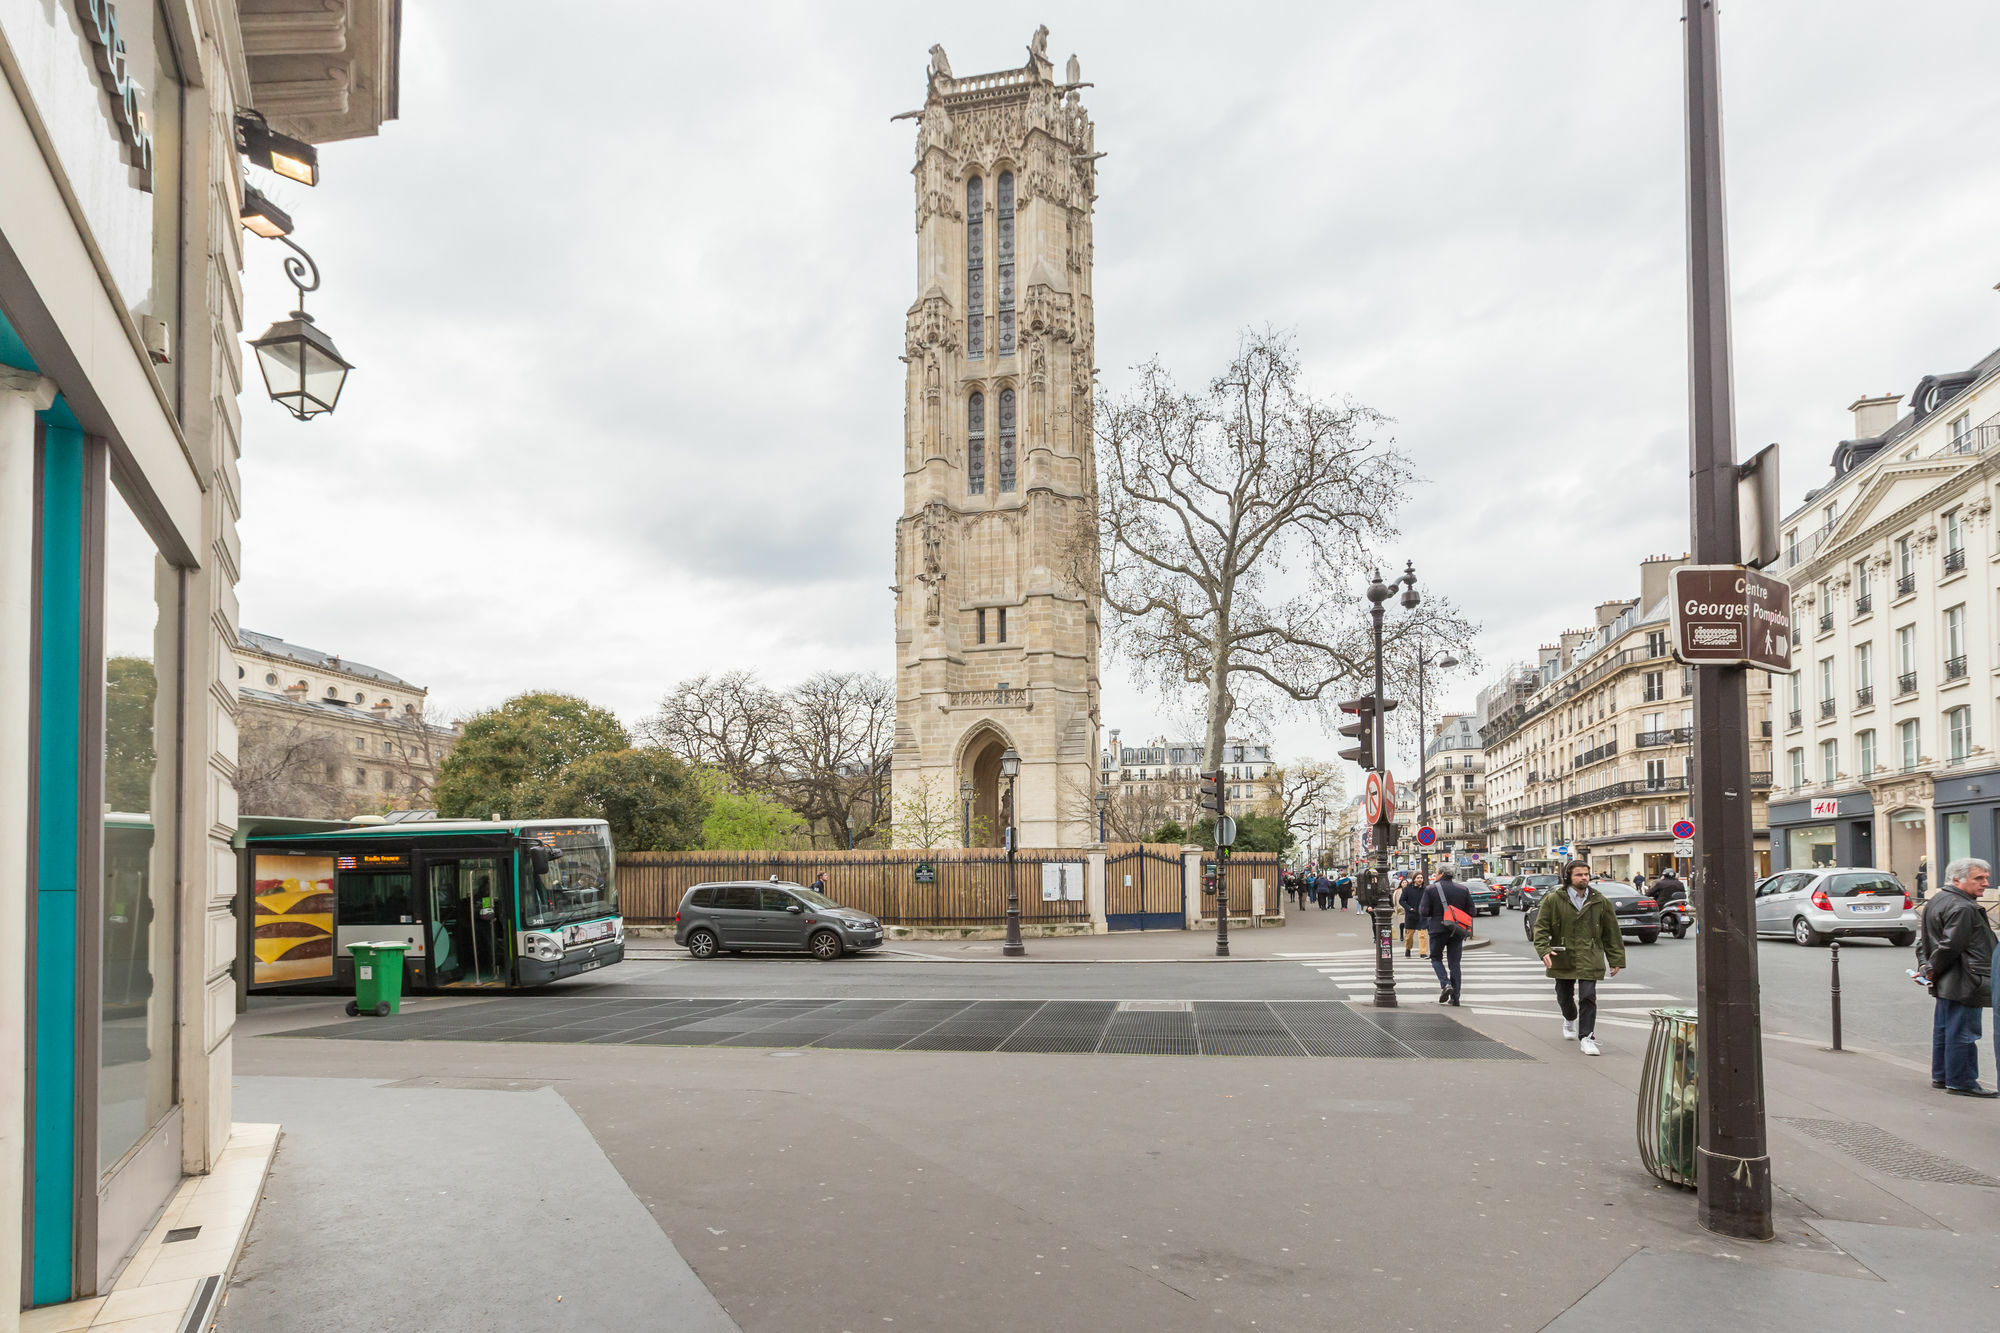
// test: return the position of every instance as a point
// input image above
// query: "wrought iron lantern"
(303, 370)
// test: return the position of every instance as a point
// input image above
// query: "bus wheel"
(701, 943)
(825, 945)
(353, 1009)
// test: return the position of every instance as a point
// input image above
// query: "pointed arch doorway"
(981, 763)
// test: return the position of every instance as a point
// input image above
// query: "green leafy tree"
(651, 799)
(507, 755)
(130, 688)
(1254, 833)
(745, 821)
(1168, 832)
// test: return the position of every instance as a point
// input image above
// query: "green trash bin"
(1667, 1097)
(378, 978)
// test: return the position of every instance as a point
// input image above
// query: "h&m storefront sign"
(107, 44)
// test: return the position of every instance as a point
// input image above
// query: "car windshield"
(1849, 886)
(812, 899)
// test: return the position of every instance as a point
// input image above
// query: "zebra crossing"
(1494, 983)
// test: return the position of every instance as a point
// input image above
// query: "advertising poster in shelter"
(292, 931)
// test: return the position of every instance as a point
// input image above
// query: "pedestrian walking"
(1412, 900)
(1578, 941)
(819, 883)
(1323, 892)
(1639, 880)
(1343, 889)
(1447, 909)
(1955, 958)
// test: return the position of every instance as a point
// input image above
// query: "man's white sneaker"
(1588, 1046)
(1569, 1029)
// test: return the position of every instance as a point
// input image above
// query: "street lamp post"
(1445, 663)
(1010, 768)
(1732, 1157)
(850, 830)
(1385, 825)
(1103, 808)
(965, 799)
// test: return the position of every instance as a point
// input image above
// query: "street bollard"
(1835, 946)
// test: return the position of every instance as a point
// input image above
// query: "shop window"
(1957, 835)
(136, 1042)
(1811, 846)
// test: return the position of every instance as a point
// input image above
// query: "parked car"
(1527, 888)
(746, 914)
(1638, 913)
(1829, 902)
(1487, 896)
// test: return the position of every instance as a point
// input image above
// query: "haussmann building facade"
(121, 359)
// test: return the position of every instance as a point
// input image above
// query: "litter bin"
(378, 978)
(1667, 1098)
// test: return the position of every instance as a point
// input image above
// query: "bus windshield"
(578, 884)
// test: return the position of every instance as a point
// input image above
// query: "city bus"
(480, 904)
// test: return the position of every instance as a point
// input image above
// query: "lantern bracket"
(298, 268)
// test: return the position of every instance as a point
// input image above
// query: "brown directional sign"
(1727, 615)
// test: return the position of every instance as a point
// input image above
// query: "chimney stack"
(1874, 416)
(1653, 580)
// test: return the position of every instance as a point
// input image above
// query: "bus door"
(471, 937)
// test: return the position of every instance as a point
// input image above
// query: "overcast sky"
(625, 296)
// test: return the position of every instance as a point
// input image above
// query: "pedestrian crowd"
(1316, 887)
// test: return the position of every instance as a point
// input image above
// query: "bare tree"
(925, 815)
(730, 721)
(834, 750)
(1307, 793)
(284, 766)
(1236, 526)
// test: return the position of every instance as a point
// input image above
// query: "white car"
(1828, 902)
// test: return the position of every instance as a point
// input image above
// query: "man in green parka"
(1577, 936)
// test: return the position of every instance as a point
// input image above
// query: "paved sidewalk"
(840, 1189)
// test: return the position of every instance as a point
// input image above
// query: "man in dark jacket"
(1412, 901)
(1580, 942)
(1668, 888)
(1955, 954)
(1446, 945)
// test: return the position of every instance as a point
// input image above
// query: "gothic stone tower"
(995, 646)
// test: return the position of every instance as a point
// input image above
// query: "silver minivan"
(1817, 905)
(745, 915)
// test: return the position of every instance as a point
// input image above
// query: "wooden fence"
(1242, 868)
(969, 888)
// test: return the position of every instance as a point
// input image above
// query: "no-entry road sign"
(1729, 615)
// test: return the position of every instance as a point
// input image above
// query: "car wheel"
(825, 945)
(1804, 935)
(1649, 937)
(701, 943)
(1528, 926)
(1903, 939)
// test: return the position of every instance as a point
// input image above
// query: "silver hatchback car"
(748, 915)
(1817, 905)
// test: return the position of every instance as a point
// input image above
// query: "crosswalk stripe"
(1493, 981)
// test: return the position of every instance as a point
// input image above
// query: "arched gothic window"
(1006, 439)
(1006, 260)
(975, 444)
(975, 268)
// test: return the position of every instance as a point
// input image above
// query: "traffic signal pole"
(1385, 823)
(1732, 1160)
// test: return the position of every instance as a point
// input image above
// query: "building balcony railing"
(1797, 719)
(1865, 697)
(1636, 788)
(1671, 736)
(1906, 683)
(1954, 561)
(1954, 668)
(1597, 755)
(1825, 708)
(1826, 622)
(1906, 585)
(1863, 604)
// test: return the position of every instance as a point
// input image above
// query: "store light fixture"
(261, 217)
(294, 159)
(303, 371)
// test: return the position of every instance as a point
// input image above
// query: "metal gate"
(1144, 890)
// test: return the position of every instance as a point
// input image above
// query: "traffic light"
(1211, 792)
(1362, 729)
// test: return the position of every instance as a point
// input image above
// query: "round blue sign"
(1426, 836)
(1684, 828)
